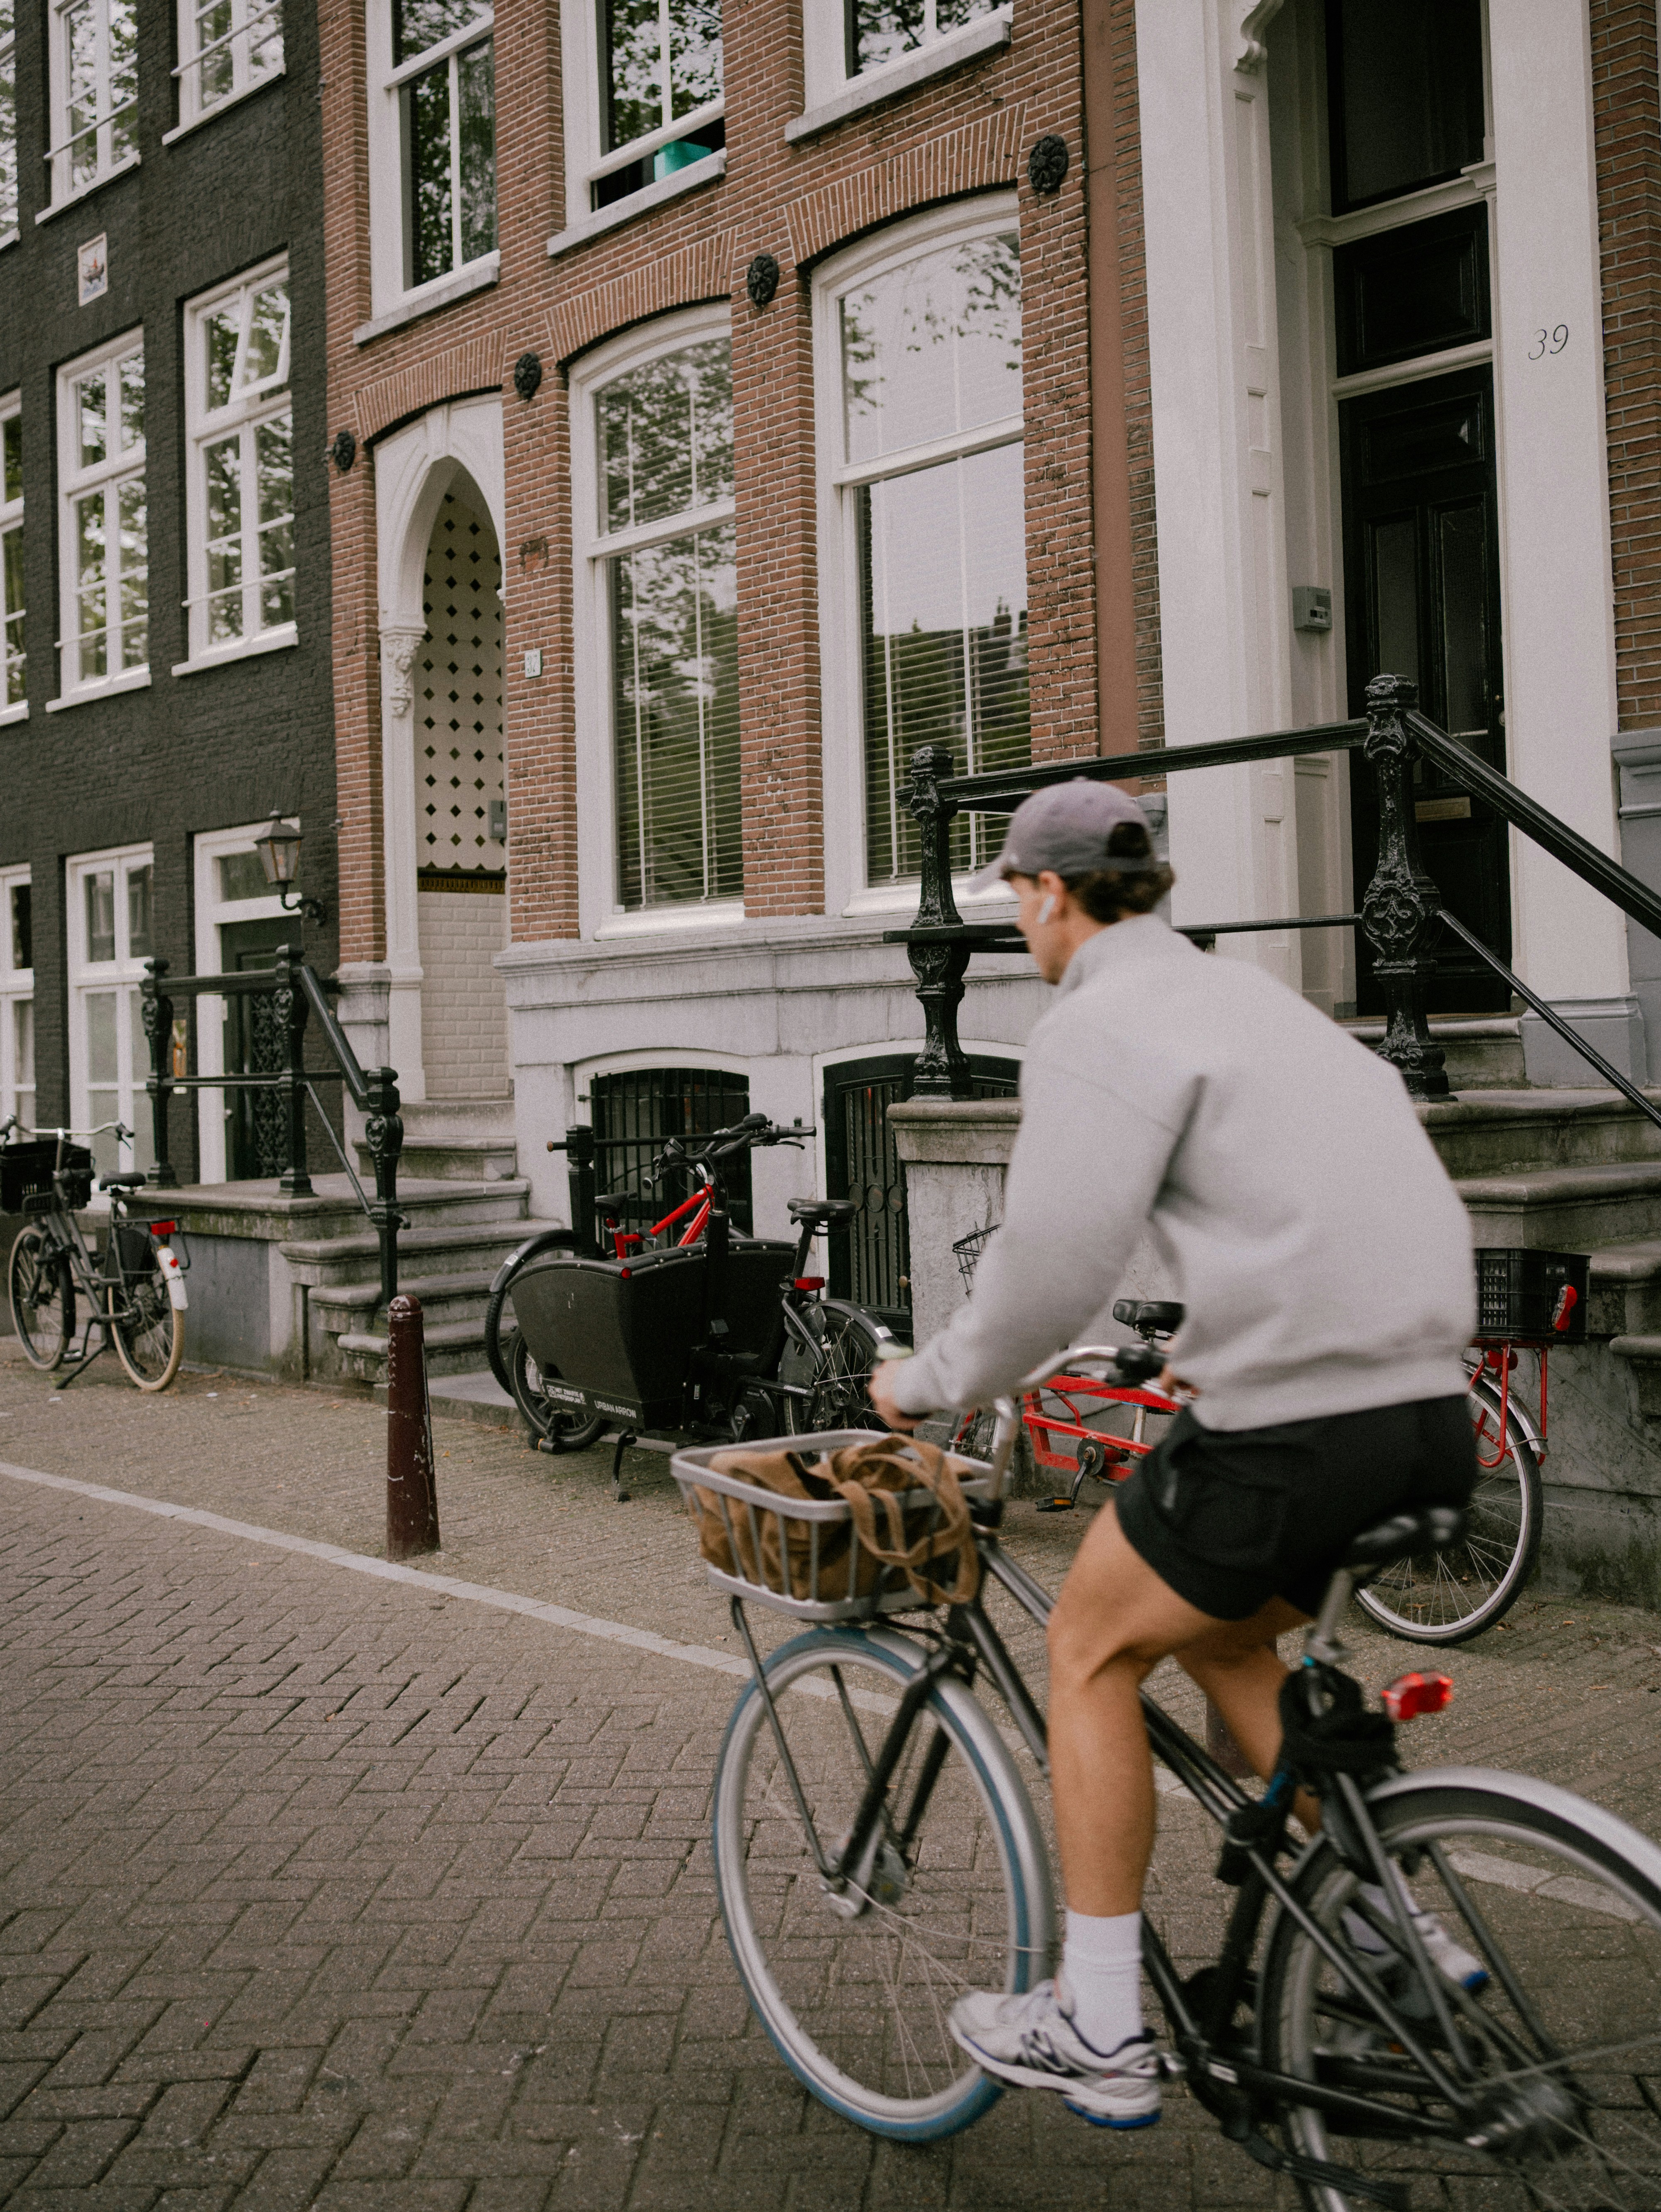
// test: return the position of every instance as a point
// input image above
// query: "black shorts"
(1231, 1518)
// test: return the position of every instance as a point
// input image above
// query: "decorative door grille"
(459, 695)
(634, 1112)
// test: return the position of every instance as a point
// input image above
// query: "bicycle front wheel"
(563, 1427)
(1560, 2054)
(149, 1330)
(1448, 1597)
(854, 1983)
(41, 1293)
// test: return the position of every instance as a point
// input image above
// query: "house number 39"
(1547, 341)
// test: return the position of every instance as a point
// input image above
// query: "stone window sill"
(275, 640)
(19, 712)
(135, 679)
(478, 276)
(984, 36)
(85, 191)
(641, 202)
(222, 106)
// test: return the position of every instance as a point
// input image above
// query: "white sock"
(1102, 1963)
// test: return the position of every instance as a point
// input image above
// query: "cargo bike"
(687, 1331)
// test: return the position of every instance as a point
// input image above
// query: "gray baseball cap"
(1065, 827)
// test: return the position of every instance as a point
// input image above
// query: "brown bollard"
(411, 1491)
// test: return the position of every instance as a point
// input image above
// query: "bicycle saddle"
(1150, 1317)
(122, 1183)
(825, 1213)
(1434, 1528)
(615, 1201)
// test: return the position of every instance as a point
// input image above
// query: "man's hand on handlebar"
(880, 1390)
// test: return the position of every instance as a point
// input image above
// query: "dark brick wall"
(224, 746)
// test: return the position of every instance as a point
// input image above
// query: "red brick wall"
(964, 132)
(1627, 114)
(1137, 376)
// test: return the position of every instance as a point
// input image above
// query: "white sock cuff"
(1109, 1940)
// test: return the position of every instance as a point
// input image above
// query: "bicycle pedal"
(1054, 1505)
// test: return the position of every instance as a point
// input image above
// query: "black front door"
(1421, 590)
(870, 1261)
(255, 1121)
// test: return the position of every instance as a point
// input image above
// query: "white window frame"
(123, 975)
(243, 414)
(9, 161)
(586, 159)
(600, 912)
(60, 158)
(841, 675)
(824, 54)
(256, 30)
(392, 294)
(212, 913)
(11, 518)
(72, 481)
(16, 988)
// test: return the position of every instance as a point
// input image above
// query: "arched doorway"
(460, 825)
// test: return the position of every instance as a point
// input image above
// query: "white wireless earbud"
(1047, 911)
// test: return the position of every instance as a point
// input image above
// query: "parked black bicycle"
(876, 1852)
(133, 1290)
(682, 1330)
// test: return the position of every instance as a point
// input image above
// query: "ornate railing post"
(156, 1014)
(1399, 911)
(383, 1137)
(941, 1070)
(291, 1009)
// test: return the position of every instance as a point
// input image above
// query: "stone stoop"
(1483, 1053)
(454, 1140)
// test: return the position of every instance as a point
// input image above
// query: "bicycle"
(685, 1330)
(1441, 1597)
(876, 1852)
(134, 1290)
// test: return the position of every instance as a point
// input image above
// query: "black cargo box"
(616, 1336)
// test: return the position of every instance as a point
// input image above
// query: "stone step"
(453, 1348)
(1484, 1052)
(455, 1141)
(1489, 1132)
(338, 1305)
(1570, 1209)
(444, 1250)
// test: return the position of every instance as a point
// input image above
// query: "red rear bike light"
(1568, 1298)
(162, 1228)
(809, 1282)
(1409, 1695)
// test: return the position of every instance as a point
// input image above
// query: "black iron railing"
(297, 994)
(1401, 916)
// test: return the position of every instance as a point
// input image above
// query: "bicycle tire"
(149, 1337)
(1448, 1597)
(840, 1380)
(977, 1830)
(561, 1428)
(44, 1325)
(496, 1337)
(1573, 1898)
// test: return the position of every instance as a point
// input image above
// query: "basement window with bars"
(662, 562)
(241, 496)
(14, 665)
(104, 524)
(634, 1111)
(921, 353)
(443, 70)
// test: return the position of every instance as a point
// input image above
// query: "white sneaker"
(1031, 2040)
(1451, 1958)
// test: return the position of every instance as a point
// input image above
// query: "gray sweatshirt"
(1322, 1255)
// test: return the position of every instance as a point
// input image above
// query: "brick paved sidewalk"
(321, 1890)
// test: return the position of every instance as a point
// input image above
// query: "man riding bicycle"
(1324, 1261)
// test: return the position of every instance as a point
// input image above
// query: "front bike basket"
(768, 1534)
(26, 1172)
(968, 1249)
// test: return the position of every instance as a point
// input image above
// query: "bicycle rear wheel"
(840, 1381)
(1448, 1597)
(853, 1988)
(1562, 2050)
(149, 1335)
(41, 1293)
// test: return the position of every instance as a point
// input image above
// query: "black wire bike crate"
(25, 1171)
(1531, 1298)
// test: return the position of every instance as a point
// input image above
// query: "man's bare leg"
(1114, 1622)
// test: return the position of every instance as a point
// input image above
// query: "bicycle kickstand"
(63, 1382)
(625, 1439)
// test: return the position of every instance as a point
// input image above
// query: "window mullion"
(249, 477)
(665, 79)
(455, 151)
